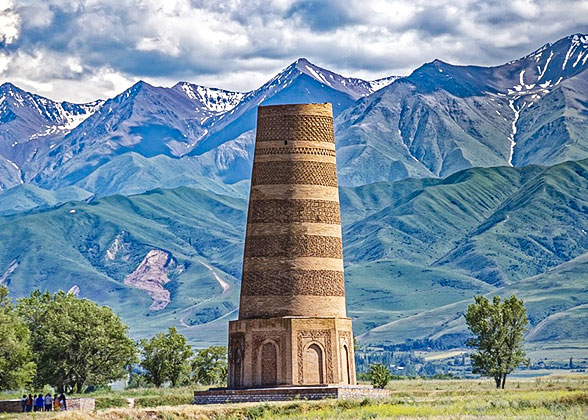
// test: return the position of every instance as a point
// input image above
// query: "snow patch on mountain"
(58, 117)
(354, 87)
(378, 84)
(516, 113)
(214, 100)
(577, 41)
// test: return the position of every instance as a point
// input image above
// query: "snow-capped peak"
(354, 87)
(212, 99)
(53, 116)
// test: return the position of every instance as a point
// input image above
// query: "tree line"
(69, 343)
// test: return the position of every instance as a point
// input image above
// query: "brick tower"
(292, 328)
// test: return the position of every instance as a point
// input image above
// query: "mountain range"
(459, 180)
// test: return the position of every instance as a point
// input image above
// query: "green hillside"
(556, 301)
(95, 246)
(416, 251)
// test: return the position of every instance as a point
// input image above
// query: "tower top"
(324, 110)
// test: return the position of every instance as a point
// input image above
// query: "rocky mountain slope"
(54, 145)
(444, 118)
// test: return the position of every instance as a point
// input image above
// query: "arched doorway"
(313, 365)
(346, 368)
(269, 364)
(237, 371)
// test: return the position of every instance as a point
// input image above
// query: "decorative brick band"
(295, 143)
(295, 127)
(292, 283)
(294, 150)
(295, 172)
(293, 246)
(289, 211)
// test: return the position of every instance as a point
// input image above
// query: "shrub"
(379, 375)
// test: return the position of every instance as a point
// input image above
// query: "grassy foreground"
(546, 398)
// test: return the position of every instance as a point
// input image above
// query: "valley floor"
(553, 397)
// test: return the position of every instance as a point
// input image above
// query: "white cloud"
(93, 47)
(9, 22)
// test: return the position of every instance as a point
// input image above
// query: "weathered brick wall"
(81, 404)
(223, 396)
(293, 260)
(10, 406)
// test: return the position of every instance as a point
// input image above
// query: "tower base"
(290, 351)
(318, 392)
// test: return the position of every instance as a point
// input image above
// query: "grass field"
(553, 397)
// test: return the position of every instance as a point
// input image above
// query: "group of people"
(43, 403)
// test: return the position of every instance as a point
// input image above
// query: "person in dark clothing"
(39, 403)
(23, 403)
(62, 401)
(29, 404)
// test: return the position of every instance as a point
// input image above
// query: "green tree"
(17, 368)
(499, 331)
(76, 342)
(165, 357)
(379, 375)
(209, 366)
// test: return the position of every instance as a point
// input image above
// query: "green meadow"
(551, 397)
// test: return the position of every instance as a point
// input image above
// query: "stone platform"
(287, 393)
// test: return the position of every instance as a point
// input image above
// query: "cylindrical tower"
(293, 262)
(292, 327)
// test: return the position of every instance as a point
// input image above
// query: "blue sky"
(84, 49)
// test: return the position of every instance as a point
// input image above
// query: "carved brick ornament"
(295, 128)
(292, 211)
(293, 282)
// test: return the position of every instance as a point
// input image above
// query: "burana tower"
(293, 338)
(292, 327)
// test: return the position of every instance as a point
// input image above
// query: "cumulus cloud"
(83, 49)
(9, 23)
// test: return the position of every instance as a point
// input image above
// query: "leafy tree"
(75, 341)
(209, 366)
(165, 357)
(17, 368)
(379, 375)
(499, 329)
